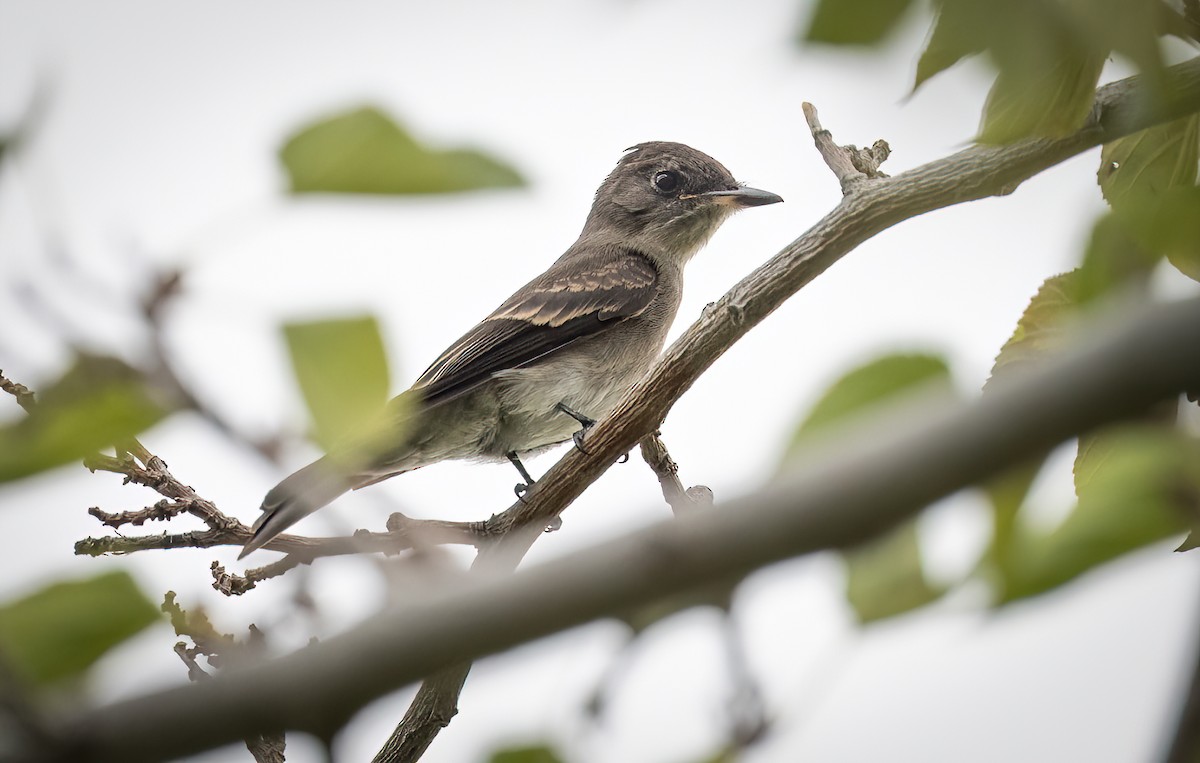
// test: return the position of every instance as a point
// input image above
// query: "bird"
(558, 354)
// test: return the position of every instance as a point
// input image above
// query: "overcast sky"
(160, 144)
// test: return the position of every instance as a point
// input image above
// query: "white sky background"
(161, 143)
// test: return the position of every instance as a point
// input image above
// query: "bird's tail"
(295, 498)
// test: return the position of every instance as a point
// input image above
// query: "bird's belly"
(531, 421)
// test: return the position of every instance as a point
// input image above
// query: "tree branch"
(681, 500)
(845, 496)
(24, 395)
(867, 208)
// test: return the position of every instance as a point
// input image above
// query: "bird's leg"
(585, 421)
(521, 487)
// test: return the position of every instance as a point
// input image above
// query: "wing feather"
(579, 296)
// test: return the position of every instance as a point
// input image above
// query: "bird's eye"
(667, 181)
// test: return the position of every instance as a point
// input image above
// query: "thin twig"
(681, 500)
(848, 495)
(221, 650)
(24, 395)
(850, 165)
(973, 173)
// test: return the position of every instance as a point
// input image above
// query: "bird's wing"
(575, 298)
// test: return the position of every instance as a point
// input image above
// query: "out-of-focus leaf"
(364, 151)
(1136, 486)
(1149, 179)
(956, 34)
(1186, 262)
(884, 577)
(1048, 54)
(869, 385)
(343, 373)
(1050, 102)
(59, 631)
(854, 22)
(531, 754)
(1128, 27)
(1007, 493)
(1168, 224)
(1149, 163)
(1113, 259)
(98, 402)
(1040, 329)
(1178, 230)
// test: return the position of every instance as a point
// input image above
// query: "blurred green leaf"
(61, 630)
(365, 151)
(854, 22)
(1040, 329)
(98, 402)
(883, 577)
(1113, 259)
(1149, 163)
(1007, 493)
(871, 384)
(956, 34)
(1137, 485)
(1149, 179)
(1191, 542)
(343, 373)
(531, 754)
(1050, 101)
(1047, 53)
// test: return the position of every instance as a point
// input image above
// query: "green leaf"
(97, 403)
(1048, 55)
(1040, 329)
(1136, 486)
(61, 630)
(1149, 179)
(1114, 259)
(530, 754)
(855, 22)
(869, 385)
(957, 33)
(884, 577)
(1047, 102)
(1007, 492)
(1140, 168)
(343, 373)
(364, 151)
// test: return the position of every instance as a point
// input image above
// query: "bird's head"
(666, 200)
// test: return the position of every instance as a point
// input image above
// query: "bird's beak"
(743, 197)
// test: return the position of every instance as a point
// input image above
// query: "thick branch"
(842, 498)
(870, 208)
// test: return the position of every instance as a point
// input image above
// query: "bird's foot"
(577, 438)
(554, 525)
(585, 421)
(520, 489)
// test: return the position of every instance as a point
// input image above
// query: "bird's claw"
(520, 489)
(578, 440)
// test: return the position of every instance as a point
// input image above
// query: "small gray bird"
(559, 353)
